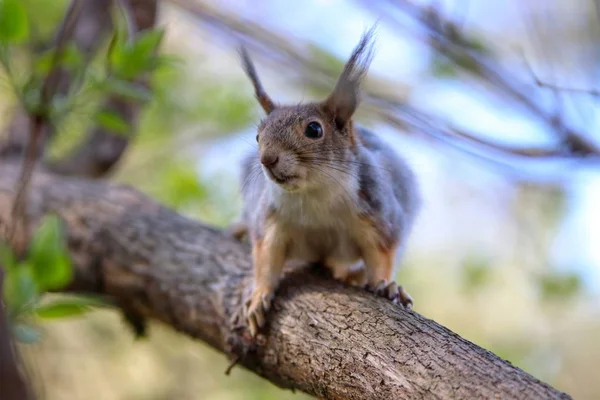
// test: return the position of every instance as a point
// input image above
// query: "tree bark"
(323, 338)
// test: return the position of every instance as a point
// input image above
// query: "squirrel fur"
(321, 189)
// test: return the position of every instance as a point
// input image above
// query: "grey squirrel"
(320, 189)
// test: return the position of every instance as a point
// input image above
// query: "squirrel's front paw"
(256, 309)
(393, 292)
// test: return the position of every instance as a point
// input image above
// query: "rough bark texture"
(325, 339)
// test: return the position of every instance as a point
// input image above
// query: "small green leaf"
(126, 89)
(26, 333)
(19, 289)
(68, 306)
(70, 59)
(112, 121)
(131, 58)
(49, 257)
(146, 44)
(14, 26)
(61, 310)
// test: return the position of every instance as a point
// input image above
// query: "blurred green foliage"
(14, 26)
(560, 287)
(476, 273)
(179, 186)
(45, 267)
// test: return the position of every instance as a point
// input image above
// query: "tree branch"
(444, 36)
(396, 109)
(323, 338)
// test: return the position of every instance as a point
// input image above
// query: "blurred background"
(495, 106)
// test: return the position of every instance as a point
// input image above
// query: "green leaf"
(146, 44)
(112, 121)
(131, 58)
(126, 89)
(68, 306)
(14, 26)
(70, 59)
(19, 289)
(26, 333)
(61, 309)
(49, 257)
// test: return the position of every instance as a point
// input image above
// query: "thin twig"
(39, 118)
(62, 36)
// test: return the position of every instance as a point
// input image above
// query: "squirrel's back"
(400, 174)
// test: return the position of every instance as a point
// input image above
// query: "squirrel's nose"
(269, 159)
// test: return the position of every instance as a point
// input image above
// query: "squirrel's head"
(311, 144)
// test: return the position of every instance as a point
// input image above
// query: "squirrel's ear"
(344, 99)
(262, 97)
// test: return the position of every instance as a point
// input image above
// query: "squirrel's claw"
(393, 292)
(255, 310)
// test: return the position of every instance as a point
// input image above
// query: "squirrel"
(322, 190)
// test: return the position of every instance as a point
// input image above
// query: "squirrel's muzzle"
(269, 160)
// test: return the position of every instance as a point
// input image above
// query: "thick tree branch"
(325, 339)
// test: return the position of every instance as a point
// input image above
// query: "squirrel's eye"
(313, 130)
(256, 138)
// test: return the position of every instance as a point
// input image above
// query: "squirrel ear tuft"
(344, 99)
(262, 97)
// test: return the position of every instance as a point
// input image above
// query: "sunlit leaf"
(112, 121)
(67, 307)
(146, 44)
(14, 26)
(126, 89)
(129, 58)
(49, 257)
(70, 59)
